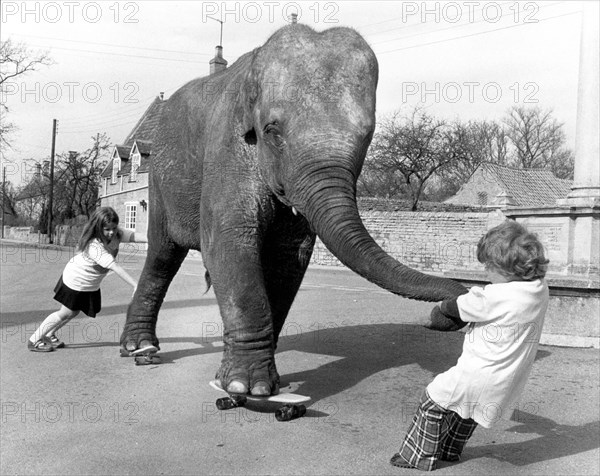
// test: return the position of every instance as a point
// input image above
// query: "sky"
(469, 60)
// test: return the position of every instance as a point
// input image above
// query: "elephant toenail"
(237, 387)
(261, 388)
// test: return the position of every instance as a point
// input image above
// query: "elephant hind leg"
(162, 263)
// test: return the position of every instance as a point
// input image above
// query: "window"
(135, 163)
(482, 198)
(115, 169)
(130, 215)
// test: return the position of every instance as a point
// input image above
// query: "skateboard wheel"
(290, 412)
(146, 359)
(232, 401)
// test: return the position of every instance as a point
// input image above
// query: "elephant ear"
(250, 93)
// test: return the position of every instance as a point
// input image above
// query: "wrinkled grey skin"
(249, 164)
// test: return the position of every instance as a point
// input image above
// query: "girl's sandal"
(55, 342)
(42, 345)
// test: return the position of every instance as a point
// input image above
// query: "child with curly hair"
(505, 321)
(78, 288)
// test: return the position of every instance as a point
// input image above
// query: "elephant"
(248, 166)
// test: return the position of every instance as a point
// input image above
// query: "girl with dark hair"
(78, 288)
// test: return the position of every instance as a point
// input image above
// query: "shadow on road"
(365, 350)
(27, 317)
(551, 441)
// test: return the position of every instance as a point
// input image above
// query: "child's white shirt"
(86, 270)
(499, 349)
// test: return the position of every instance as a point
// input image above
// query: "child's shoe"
(56, 342)
(42, 345)
(400, 462)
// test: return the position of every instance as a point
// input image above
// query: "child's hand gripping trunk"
(445, 317)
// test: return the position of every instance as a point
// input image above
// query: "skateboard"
(290, 409)
(144, 356)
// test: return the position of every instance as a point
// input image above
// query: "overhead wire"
(107, 119)
(475, 34)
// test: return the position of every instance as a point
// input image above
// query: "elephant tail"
(208, 281)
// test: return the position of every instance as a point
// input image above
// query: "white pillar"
(586, 184)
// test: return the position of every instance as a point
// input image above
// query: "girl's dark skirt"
(88, 302)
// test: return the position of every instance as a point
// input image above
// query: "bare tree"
(15, 60)
(469, 144)
(79, 179)
(538, 141)
(406, 152)
(76, 182)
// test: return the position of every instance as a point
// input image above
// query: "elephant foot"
(131, 346)
(253, 381)
(258, 389)
(132, 340)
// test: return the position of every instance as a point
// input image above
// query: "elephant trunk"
(330, 206)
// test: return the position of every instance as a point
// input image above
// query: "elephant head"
(311, 114)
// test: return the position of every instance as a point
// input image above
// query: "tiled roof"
(145, 129)
(529, 187)
(144, 146)
(142, 134)
(123, 151)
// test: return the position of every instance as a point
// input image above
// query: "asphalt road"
(346, 343)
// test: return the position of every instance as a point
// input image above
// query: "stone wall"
(428, 241)
(24, 233)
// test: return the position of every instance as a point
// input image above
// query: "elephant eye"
(272, 134)
(271, 128)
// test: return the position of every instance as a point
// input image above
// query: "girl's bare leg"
(53, 322)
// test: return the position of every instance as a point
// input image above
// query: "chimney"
(161, 95)
(294, 18)
(218, 63)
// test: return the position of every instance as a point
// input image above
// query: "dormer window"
(136, 159)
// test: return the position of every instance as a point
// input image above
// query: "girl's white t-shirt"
(499, 349)
(86, 270)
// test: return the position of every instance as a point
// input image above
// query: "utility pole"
(51, 196)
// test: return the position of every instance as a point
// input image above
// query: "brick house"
(124, 180)
(497, 186)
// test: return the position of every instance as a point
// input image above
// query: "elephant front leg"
(162, 263)
(285, 257)
(248, 363)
